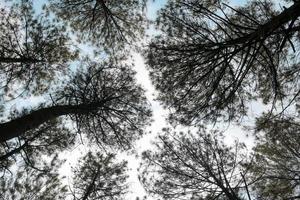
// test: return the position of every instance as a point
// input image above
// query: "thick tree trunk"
(19, 126)
(18, 60)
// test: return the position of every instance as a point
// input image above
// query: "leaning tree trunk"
(19, 126)
(19, 60)
(264, 30)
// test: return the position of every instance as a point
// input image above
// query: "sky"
(233, 132)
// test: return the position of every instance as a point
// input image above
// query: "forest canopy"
(209, 61)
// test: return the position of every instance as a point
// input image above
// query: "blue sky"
(153, 7)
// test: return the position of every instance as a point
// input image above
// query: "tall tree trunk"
(19, 126)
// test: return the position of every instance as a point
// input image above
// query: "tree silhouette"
(33, 51)
(277, 158)
(209, 61)
(28, 183)
(29, 149)
(97, 100)
(98, 177)
(212, 59)
(107, 24)
(194, 167)
(95, 177)
(103, 100)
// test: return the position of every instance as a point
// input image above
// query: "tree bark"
(19, 126)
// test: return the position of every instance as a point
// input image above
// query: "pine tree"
(211, 59)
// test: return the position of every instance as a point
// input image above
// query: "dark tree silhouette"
(103, 100)
(99, 102)
(95, 177)
(48, 139)
(107, 24)
(194, 167)
(98, 177)
(33, 51)
(277, 158)
(208, 62)
(28, 183)
(212, 58)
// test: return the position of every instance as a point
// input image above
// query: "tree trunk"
(271, 26)
(90, 187)
(12, 152)
(19, 126)
(18, 60)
